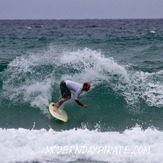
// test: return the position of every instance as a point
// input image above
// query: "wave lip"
(82, 65)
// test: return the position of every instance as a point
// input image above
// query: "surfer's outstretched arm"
(79, 103)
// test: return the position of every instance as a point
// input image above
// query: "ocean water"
(123, 61)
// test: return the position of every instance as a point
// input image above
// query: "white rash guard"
(76, 87)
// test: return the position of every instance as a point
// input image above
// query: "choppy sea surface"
(123, 61)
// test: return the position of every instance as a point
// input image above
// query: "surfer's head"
(86, 86)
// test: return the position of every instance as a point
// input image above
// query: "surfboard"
(62, 116)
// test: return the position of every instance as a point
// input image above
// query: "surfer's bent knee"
(68, 97)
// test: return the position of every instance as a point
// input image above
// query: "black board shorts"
(65, 92)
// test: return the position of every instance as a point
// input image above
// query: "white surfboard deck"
(62, 116)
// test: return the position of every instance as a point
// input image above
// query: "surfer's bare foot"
(55, 105)
(56, 109)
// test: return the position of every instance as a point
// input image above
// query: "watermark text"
(108, 150)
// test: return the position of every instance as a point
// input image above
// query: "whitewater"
(21, 145)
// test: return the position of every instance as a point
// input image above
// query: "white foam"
(21, 145)
(26, 81)
(91, 66)
(153, 31)
(143, 85)
(28, 27)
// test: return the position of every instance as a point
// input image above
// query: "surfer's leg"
(63, 100)
(66, 95)
(58, 104)
(65, 92)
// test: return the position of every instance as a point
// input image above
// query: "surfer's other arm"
(79, 103)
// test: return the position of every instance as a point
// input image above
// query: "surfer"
(66, 86)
